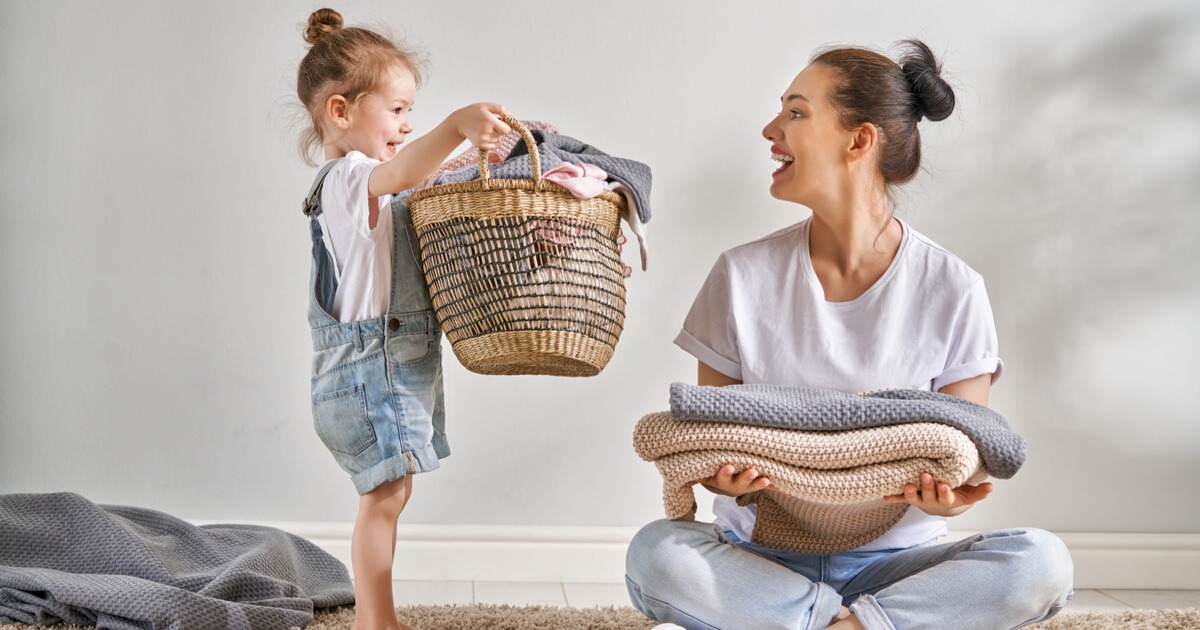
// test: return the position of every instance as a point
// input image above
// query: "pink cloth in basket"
(583, 180)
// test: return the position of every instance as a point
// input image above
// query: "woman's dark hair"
(868, 87)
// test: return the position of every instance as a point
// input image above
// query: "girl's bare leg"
(372, 551)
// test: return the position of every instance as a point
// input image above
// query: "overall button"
(394, 324)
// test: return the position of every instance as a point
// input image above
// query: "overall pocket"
(340, 418)
(406, 350)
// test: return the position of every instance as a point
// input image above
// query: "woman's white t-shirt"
(761, 317)
(363, 253)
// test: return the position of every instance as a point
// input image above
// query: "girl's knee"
(387, 499)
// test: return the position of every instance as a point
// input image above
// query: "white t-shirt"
(363, 254)
(761, 317)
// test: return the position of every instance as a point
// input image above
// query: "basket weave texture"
(525, 278)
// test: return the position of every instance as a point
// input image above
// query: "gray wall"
(153, 259)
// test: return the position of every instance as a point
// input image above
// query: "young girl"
(851, 299)
(377, 381)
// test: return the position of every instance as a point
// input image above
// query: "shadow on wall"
(1084, 221)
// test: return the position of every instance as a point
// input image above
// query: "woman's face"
(807, 140)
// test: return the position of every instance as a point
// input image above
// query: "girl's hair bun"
(321, 23)
(934, 97)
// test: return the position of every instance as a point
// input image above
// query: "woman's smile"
(780, 156)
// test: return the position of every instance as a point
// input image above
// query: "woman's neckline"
(805, 254)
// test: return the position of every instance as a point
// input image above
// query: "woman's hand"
(937, 499)
(726, 483)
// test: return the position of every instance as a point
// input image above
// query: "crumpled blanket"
(836, 480)
(471, 154)
(66, 559)
(810, 409)
(554, 149)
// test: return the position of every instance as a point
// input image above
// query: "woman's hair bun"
(934, 97)
(321, 23)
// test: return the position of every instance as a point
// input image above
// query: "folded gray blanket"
(553, 150)
(66, 559)
(807, 409)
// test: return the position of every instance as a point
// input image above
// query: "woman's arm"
(728, 481)
(975, 389)
(709, 376)
(934, 497)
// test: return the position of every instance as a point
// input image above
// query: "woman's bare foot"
(845, 620)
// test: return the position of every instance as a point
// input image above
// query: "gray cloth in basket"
(553, 150)
(809, 409)
(66, 559)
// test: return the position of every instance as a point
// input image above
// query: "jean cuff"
(410, 463)
(827, 606)
(870, 614)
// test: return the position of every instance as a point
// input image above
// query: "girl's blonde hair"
(350, 62)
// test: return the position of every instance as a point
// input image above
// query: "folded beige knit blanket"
(836, 479)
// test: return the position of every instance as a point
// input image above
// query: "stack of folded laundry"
(831, 457)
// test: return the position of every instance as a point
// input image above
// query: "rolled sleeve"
(708, 356)
(710, 330)
(993, 366)
(973, 347)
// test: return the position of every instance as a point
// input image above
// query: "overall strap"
(312, 202)
(326, 275)
(410, 293)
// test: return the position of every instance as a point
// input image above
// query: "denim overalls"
(377, 383)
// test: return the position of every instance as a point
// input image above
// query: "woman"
(852, 299)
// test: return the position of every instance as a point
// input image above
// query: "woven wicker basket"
(525, 277)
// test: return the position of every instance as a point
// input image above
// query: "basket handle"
(534, 164)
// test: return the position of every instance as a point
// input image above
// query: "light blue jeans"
(700, 577)
(377, 394)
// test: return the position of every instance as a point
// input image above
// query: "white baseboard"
(512, 553)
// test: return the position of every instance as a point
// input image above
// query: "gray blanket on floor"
(66, 559)
(807, 409)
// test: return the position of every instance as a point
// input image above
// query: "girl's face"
(807, 140)
(379, 121)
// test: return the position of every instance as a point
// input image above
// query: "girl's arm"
(418, 159)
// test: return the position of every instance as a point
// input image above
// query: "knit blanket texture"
(553, 150)
(66, 559)
(827, 487)
(808, 409)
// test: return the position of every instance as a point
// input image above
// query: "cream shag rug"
(484, 617)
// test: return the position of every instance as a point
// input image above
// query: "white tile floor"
(588, 595)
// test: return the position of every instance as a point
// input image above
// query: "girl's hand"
(937, 499)
(479, 124)
(725, 483)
